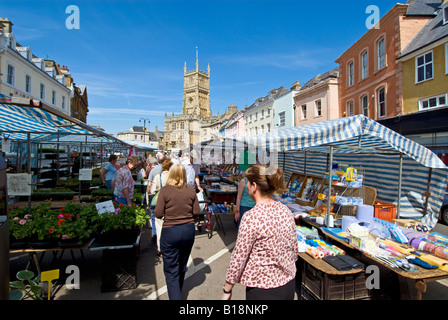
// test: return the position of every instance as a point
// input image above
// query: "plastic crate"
(385, 211)
(321, 286)
(119, 270)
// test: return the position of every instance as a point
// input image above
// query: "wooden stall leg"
(420, 285)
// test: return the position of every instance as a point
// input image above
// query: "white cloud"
(284, 60)
(118, 111)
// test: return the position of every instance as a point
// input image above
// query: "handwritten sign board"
(19, 184)
(104, 207)
(85, 174)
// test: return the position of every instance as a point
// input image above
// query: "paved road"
(206, 272)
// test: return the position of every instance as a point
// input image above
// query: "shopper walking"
(123, 183)
(109, 171)
(150, 193)
(177, 205)
(243, 201)
(266, 250)
(158, 183)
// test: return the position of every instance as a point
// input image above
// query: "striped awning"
(16, 122)
(357, 134)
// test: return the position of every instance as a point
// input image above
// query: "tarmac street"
(204, 279)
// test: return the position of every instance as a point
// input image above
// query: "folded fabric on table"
(344, 262)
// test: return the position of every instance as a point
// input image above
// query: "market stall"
(403, 172)
(384, 176)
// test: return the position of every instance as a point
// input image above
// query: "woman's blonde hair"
(177, 176)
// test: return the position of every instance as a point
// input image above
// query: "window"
(42, 91)
(381, 102)
(350, 108)
(318, 108)
(269, 127)
(432, 102)
(365, 105)
(281, 116)
(304, 112)
(10, 78)
(262, 114)
(445, 15)
(173, 126)
(364, 66)
(63, 102)
(53, 97)
(12, 42)
(350, 69)
(381, 54)
(423, 65)
(28, 83)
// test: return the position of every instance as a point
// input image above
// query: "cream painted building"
(24, 75)
(259, 117)
(318, 99)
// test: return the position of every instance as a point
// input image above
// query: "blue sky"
(131, 54)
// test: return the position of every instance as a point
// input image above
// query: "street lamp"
(144, 126)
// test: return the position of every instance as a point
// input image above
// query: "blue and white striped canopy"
(18, 121)
(357, 134)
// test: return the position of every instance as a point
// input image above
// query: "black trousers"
(285, 292)
(175, 244)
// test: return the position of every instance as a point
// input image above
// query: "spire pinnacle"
(197, 59)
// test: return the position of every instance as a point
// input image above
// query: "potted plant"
(124, 221)
(21, 227)
(43, 219)
(76, 222)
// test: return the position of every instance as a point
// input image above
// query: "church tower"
(196, 92)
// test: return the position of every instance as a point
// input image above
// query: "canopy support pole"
(428, 191)
(400, 174)
(330, 167)
(29, 167)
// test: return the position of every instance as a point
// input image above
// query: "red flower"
(50, 231)
(67, 216)
(60, 221)
(120, 205)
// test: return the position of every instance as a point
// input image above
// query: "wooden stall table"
(32, 253)
(421, 276)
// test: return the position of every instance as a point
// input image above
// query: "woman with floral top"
(123, 183)
(266, 250)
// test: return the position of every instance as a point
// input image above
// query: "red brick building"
(370, 77)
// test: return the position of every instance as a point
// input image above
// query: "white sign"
(19, 184)
(85, 174)
(104, 207)
(6, 145)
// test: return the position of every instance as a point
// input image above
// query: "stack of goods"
(311, 243)
(396, 246)
(318, 249)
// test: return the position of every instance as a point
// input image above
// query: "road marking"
(192, 269)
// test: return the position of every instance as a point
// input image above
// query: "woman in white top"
(158, 182)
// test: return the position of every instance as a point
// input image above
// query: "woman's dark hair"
(112, 157)
(268, 178)
(166, 165)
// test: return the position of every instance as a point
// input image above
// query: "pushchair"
(204, 218)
